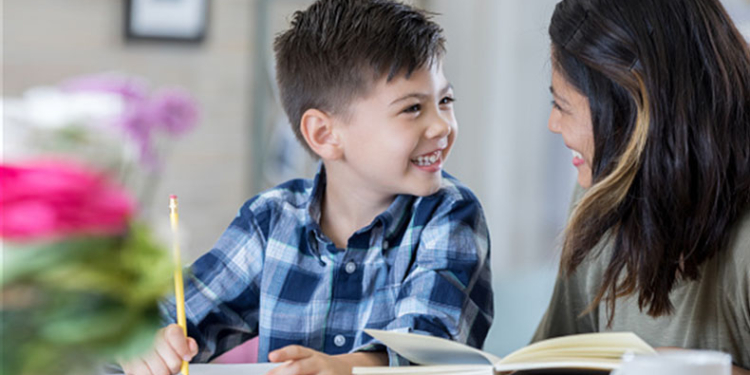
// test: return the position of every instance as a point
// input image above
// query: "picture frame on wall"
(168, 20)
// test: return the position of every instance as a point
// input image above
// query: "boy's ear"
(317, 128)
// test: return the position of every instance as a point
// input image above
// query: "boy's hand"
(171, 347)
(305, 361)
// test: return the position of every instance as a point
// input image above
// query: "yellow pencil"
(179, 288)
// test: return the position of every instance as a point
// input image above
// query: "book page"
(426, 370)
(603, 345)
(429, 350)
(573, 367)
(231, 369)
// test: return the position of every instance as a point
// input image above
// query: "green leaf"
(85, 298)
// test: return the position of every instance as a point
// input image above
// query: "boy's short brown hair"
(336, 49)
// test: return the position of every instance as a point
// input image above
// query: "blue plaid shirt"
(420, 266)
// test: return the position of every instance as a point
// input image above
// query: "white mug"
(677, 362)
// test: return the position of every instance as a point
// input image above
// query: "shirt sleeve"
(447, 291)
(222, 289)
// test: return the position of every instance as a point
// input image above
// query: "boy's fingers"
(193, 345)
(171, 359)
(289, 368)
(176, 338)
(136, 366)
(305, 366)
(156, 364)
(289, 353)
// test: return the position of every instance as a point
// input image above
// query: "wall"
(498, 62)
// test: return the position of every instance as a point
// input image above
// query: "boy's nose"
(439, 128)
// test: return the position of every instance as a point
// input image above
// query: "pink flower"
(137, 122)
(175, 110)
(48, 200)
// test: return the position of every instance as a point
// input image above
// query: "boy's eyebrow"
(420, 95)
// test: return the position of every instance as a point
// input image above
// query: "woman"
(653, 97)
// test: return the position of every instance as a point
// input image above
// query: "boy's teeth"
(427, 159)
(577, 154)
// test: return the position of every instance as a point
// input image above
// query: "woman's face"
(571, 118)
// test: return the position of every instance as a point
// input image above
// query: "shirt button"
(385, 244)
(350, 268)
(339, 340)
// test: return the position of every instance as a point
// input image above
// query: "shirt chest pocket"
(384, 296)
(384, 303)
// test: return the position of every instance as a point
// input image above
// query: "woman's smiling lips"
(578, 159)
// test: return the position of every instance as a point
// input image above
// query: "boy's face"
(396, 139)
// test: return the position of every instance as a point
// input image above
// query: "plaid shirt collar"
(391, 220)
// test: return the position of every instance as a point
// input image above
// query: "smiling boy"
(381, 238)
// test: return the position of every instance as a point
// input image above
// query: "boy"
(381, 238)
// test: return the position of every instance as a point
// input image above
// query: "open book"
(591, 351)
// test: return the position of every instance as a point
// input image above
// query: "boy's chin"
(426, 189)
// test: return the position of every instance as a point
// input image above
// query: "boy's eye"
(413, 109)
(556, 106)
(447, 100)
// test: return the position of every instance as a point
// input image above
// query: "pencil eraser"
(172, 196)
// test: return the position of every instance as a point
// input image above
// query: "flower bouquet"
(113, 121)
(80, 277)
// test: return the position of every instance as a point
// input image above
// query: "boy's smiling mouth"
(427, 160)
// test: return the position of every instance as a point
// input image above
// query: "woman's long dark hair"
(668, 83)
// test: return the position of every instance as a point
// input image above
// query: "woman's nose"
(553, 123)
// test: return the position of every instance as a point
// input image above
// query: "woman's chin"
(584, 180)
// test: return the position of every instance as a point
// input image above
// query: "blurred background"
(210, 64)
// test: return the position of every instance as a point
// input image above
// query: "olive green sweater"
(710, 313)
